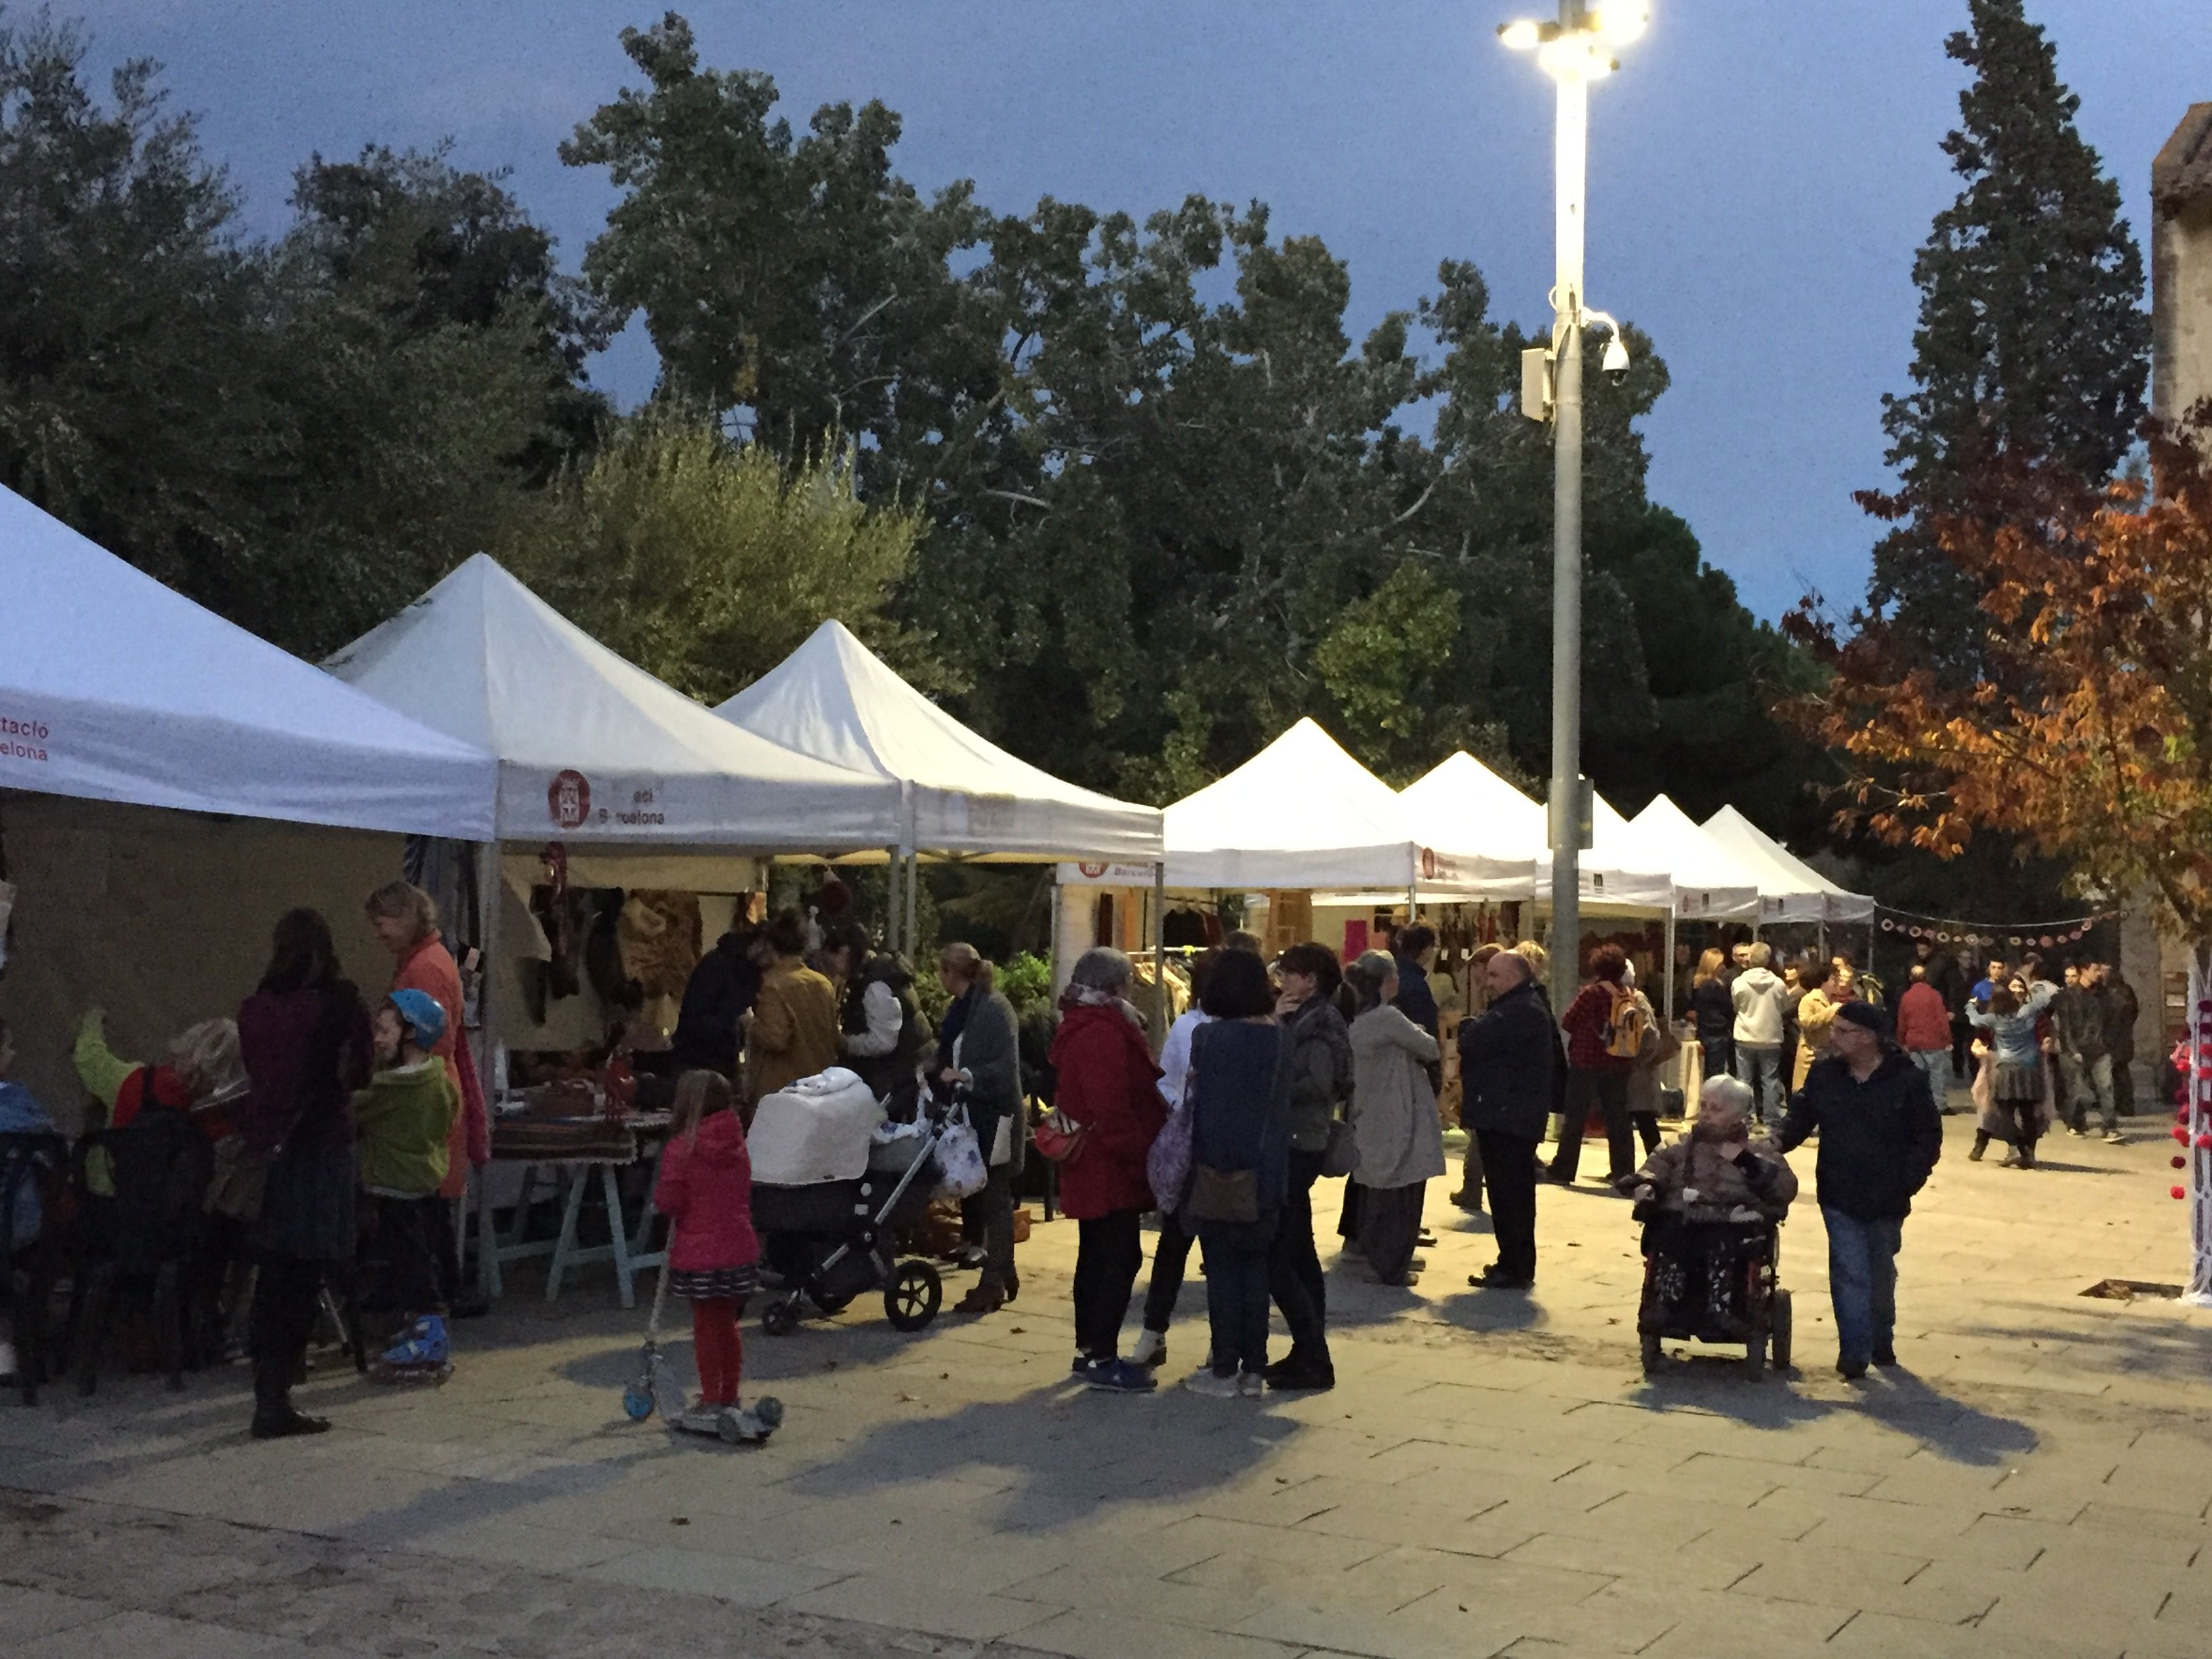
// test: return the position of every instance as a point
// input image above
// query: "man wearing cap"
(1880, 1139)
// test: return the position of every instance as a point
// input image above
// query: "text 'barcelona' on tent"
(592, 748)
(835, 700)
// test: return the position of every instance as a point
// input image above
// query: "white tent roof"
(592, 748)
(834, 699)
(1301, 813)
(115, 688)
(1802, 892)
(1710, 883)
(1463, 802)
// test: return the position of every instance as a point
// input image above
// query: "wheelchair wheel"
(1652, 1356)
(1778, 1325)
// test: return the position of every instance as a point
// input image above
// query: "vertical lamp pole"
(1575, 51)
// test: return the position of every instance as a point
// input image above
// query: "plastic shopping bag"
(960, 1158)
(1167, 1166)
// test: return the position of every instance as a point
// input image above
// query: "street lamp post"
(1575, 51)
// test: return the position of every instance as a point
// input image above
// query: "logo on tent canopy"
(569, 799)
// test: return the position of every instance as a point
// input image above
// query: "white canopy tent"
(1710, 884)
(1301, 813)
(115, 688)
(1804, 893)
(835, 700)
(593, 749)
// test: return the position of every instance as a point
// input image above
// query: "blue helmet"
(424, 1018)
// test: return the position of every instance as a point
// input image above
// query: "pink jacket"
(706, 1190)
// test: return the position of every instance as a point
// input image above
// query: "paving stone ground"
(1493, 1476)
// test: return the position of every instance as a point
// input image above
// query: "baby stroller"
(1715, 1281)
(830, 1240)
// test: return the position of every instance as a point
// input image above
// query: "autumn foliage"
(2088, 732)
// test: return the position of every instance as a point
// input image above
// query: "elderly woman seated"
(1706, 1198)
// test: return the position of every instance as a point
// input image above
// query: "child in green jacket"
(404, 1119)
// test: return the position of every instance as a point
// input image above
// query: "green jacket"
(404, 1117)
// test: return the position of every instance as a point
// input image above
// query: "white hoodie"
(1758, 994)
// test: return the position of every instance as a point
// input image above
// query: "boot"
(274, 1419)
(986, 1296)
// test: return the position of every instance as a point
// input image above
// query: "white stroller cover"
(816, 1130)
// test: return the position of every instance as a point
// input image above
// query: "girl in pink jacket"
(705, 1188)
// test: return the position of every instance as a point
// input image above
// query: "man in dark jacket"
(716, 997)
(2080, 1019)
(1880, 1138)
(2121, 1013)
(1512, 1077)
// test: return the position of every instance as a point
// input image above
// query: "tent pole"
(1159, 956)
(913, 909)
(893, 915)
(490, 892)
(1667, 1012)
(1823, 939)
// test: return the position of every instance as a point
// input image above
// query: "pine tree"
(2033, 347)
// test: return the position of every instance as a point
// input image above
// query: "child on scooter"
(705, 1188)
(403, 1120)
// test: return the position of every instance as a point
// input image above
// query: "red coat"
(706, 1190)
(1923, 1022)
(1109, 1085)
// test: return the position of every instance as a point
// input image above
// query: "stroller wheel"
(1778, 1341)
(912, 1299)
(780, 1318)
(637, 1402)
(1652, 1356)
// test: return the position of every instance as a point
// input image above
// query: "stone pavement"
(1492, 1475)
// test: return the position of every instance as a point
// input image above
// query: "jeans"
(2085, 1081)
(1863, 1284)
(1236, 1307)
(1294, 1278)
(1170, 1256)
(1509, 1168)
(408, 1277)
(1719, 1054)
(1758, 1066)
(1109, 1250)
(1934, 1064)
(1608, 1091)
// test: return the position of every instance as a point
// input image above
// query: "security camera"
(1614, 365)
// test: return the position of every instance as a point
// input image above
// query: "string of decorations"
(1943, 930)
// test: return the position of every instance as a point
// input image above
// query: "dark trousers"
(410, 1255)
(1508, 1170)
(1348, 1215)
(1962, 1042)
(2123, 1086)
(1236, 1307)
(1109, 1250)
(1170, 1257)
(287, 1294)
(1608, 1092)
(1720, 1060)
(987, 1219)
(1294, 1277)
(1390, 1223)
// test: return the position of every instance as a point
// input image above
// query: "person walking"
(2018, 1087)
(304, 1038)
(1924, 1031)
(795, 1031)
(1108, 1085)
(1239, 1146)
(1602, 1041)
(1712, 1013)
(1758, 995)
(978, 1052)
(1321, 1086)
(1879, 1140)
(2121, 1013)
(1513, 1070)
(1398, 1136)
(1826, 990)
(705, 1188)
(2080, 1020)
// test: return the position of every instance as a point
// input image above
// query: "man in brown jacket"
(795, 1031)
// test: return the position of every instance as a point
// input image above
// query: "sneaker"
(2078, 1135)
(1852, 1373)
(1494, 1278)
(1425, 1240)
(422, 1348)
(1081, 1367)
(2011, 1161)
(1212, 1387)
(702, 1420)
(290, 1424)
(1152, 1349)
(2114, 1138)
(1251, 1385)
(1120, 1377)
(1418, 1264)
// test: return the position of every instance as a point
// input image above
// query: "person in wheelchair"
(1705, 1201)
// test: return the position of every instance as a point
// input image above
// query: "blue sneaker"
(1120, 1377)
(424, 1348)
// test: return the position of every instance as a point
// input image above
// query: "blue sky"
(1762, 170)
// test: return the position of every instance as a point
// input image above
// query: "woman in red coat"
(1109, 1085)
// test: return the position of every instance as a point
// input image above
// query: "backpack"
(1625, 1026)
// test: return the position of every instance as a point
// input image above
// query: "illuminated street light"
(1574, 51)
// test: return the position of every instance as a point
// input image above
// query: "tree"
(2032, 348)
(701, 561)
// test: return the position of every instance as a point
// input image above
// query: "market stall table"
(581, 1148)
